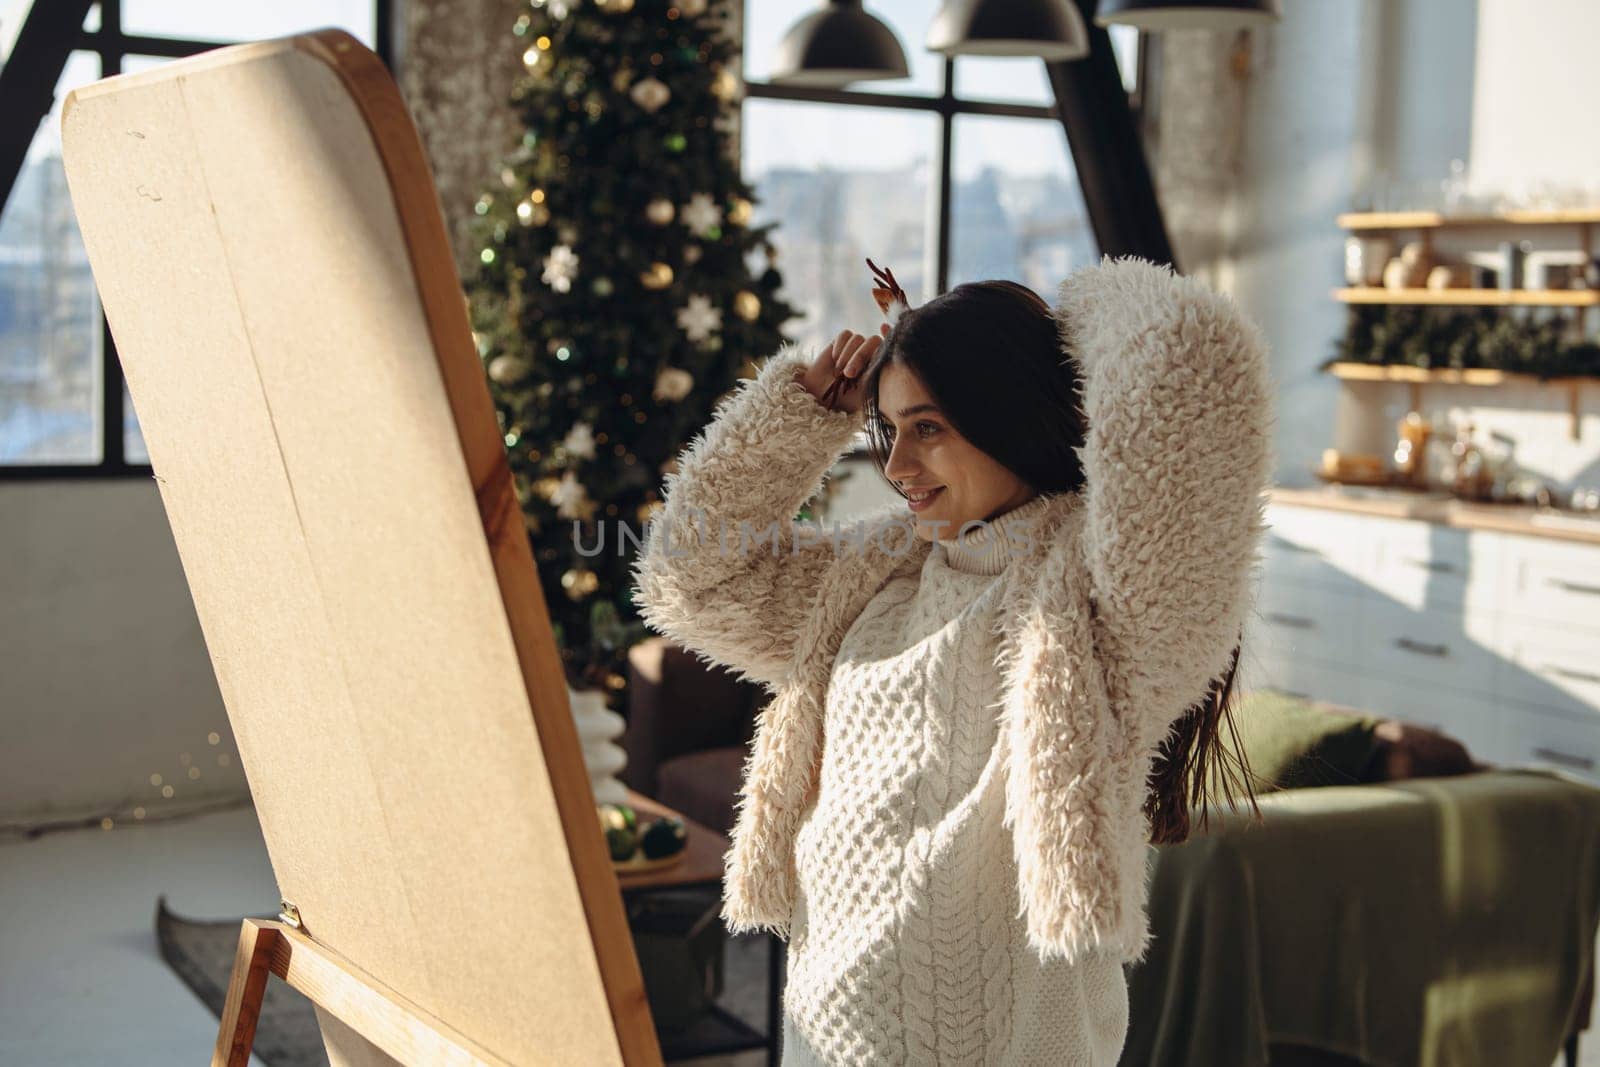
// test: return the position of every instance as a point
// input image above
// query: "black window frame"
(1105, 140)
(50, 34)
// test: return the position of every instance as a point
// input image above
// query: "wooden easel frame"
(333, 983)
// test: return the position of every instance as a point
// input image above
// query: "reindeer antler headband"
(893, 302)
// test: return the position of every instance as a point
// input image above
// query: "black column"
(1118, 190)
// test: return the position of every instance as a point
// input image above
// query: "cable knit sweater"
(1105, 625)
(905, 945)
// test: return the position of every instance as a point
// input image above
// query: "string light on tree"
(672, 384)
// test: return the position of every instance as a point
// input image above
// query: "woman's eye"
(931, 428)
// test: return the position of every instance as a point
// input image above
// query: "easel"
(267, 242)
(379, 1014)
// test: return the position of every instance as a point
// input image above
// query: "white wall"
(104, 677)
(1338, 93)
(1537, 82)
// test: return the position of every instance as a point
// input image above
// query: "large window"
(64, 409)
(957, 173)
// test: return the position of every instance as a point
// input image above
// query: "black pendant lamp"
(1049, 29)
(1188, 14)
(836, 45)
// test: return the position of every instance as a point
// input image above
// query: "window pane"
(1125, 43)
(844, 183)
(133, 450)
(1009, 79)
(50, 355)
(1017, 211)
(210, 21)
(12, 14)
(766, 23)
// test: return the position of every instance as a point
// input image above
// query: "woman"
(988, 705)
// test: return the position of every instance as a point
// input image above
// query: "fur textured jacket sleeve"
(720, 569)
(1178, 405)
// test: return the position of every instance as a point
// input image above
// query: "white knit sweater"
(1106, 629)
(906, 942)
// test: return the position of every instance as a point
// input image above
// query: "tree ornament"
(614, 7)
(726, 86)
(701, 213)
(532, 213)
(673, 384)
(647, 511)
(650, 94)
(560, 268)
(660, 211)
(602, 286)
(739, 212)
(658, 276)
(747, 305)
(698, 319)
(579, 582)
(691, 254)
(675, 142)
(508, 370)
(533, 59)
(622, 79)
(571, 498)
(579, 441)
(691, 8)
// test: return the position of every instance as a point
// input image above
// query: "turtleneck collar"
(986, 549)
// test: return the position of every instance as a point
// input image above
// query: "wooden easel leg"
(241, 1008)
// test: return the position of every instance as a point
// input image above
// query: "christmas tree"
(617, 297)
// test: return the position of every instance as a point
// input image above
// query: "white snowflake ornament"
(571, 498)
(579, 441)
(560, 268)
(700, 213)
(699, 318)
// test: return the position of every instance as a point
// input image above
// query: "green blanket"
(1436, 922)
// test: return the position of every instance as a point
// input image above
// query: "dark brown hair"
(990, 354)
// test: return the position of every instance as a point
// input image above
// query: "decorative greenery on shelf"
(1460, 338)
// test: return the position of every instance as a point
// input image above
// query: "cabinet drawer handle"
(1580, 762)
(1434, 565)
(1575, 587)
(1299, 622)
(1577, 676)
(1421, 647)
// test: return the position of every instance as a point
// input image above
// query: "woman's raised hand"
(849, 354)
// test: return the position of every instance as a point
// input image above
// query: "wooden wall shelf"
(1471, 297)
(1417, 377)
(1434, 220)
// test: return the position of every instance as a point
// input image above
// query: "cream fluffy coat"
(1162, 540)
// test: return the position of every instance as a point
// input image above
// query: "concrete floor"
(81, 980)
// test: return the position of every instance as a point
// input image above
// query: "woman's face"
(927, 454)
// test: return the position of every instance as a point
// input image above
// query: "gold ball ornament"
(747, 305)
(614, 7)
(507, 370)
(739, 213)
(691, 254)
(691, 8)
(659, 276)
(660, 211)
(672, 384)
(726, 86)
(532, 213)
(580, 582)
(651, 94)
